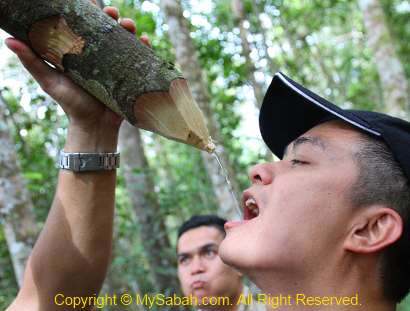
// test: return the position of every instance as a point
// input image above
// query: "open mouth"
(251, 209)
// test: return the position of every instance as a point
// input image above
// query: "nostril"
(255, 174)
(256, 178)
(261, 174)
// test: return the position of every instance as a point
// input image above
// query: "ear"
(374, 229)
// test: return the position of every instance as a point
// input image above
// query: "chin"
(230, 254)
(199, 296)
(241, 258)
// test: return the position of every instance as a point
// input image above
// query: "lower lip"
(198, 285)
(232, 224)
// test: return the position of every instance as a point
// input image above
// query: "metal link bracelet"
(87, 161)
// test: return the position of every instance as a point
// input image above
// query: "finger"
(112, 11)
(94, 2)
(145, 40)
(44, 74)
(129, 25)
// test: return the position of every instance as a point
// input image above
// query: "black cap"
(289, 110)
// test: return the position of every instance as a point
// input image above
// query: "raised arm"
(71, 256)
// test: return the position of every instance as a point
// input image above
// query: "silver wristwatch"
(81, 162)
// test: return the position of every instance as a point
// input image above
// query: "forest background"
(355, 53)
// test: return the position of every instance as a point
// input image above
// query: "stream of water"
(228, 181)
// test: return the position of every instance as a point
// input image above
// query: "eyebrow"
(201, 248)
(313, 141)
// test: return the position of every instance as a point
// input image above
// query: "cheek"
(314, 208)
(306, 196)
(183, 277)
(289, 189)
(216, 267)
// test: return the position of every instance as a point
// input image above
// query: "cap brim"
(289, 110)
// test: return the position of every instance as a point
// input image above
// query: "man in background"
(201, 271)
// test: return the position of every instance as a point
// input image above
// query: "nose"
(261, 174)
(197, 265)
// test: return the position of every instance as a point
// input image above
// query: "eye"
(183, 260)
(295, 162)
(210, 253)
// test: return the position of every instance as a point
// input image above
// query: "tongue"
(248, 214)
(234, 223)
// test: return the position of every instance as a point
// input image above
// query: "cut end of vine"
(210, 146)
(175, 115)
(52, 38)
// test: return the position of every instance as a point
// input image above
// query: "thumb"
(44, 74)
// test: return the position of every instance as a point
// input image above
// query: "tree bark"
(391, 72)
(187, 58)
(140, 186)
(16, 207)
(106, 60)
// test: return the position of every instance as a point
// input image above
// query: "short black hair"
(381, 180)
(202, 220)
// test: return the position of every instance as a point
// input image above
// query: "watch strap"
(88, 161)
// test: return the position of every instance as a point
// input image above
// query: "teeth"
(249, 202)
(251, 205)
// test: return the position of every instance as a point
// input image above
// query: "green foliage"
(405, 305)
(321, 43)
(130, 264)
(183, 186)
(327, 54)
(398, 17)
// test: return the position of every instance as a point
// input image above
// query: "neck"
(339, 287)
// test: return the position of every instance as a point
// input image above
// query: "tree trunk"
(391, 72)
(106, 60)
(166, 176)
(141, 189)
(239, 13)
(188, 60)
(16, 207)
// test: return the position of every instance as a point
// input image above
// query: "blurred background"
(355, 53)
